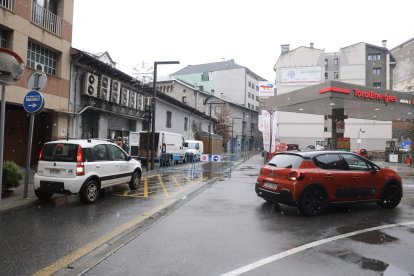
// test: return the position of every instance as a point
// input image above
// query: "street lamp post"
(359, 139)
(154, 98)
(232, 127)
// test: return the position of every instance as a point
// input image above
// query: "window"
(257, 88)
(185, 124)
(355, 163)
(326, 75)
(336, 75)
(330, 162)
(249, 95)
(184, 99)
(326, 62)
(376, 71)
(249, 83)
(248, 105)
(168, 88)
(38, 56)
(100, 153)
(374, 57)
(335, 61)
(376, 84)
(168, 122)
(3, 38)
(116, 153)
(257, 98)
(205, 76)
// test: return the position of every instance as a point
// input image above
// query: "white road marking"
(298, 249)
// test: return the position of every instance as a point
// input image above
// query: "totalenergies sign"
(374, 96)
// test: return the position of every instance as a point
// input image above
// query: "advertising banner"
(301, 75)
(266, 89)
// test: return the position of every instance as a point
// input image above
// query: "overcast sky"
(250, 32)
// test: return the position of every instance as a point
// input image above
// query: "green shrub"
(12, 174)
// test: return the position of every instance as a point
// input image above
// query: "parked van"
(169, 147)
(195, 149)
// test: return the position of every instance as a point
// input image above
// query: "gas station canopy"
(360, 102)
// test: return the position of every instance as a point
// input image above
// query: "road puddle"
(370, 264)
(372, 237)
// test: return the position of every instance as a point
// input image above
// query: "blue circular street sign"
(33, 102)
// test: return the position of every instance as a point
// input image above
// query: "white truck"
(194, 150)
(168, 147)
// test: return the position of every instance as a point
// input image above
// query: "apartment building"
(360, 64)
(243, 120)
(41, 33)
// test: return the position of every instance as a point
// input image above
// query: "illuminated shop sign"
(374, 96)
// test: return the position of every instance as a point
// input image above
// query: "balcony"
(46, 19)
(8, 4)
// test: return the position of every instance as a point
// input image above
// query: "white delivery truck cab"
(195, 149)
(168, 147)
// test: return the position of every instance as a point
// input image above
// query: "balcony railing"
(46, 19)
(8, 4)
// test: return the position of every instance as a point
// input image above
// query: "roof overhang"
(357, 101)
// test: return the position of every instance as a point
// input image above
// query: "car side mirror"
(373, 170)
(185, 144)
(129, 157)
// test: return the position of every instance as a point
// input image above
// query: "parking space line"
(163, 185)
(146, 187)
(176, 182)
(301, 248)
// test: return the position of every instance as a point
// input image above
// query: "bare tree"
(143, 72)
(223, 126)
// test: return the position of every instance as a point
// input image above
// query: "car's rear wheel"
(42, 195)
(312, 202)
(391, 196)
(135, 181)
(89, 192)
(169, 160)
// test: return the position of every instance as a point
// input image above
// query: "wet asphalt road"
(210, 231)
(227, 227)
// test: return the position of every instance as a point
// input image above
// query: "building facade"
(361, 64)
(243, 121)
(41, 33)
(107, 103)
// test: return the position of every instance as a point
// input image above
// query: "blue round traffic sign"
(33, 102)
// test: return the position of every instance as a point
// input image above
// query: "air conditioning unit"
(39, 67)
(90, 85)
(132, 99)
(116, 91)
(124, 96)
(105, 88)
(140, 102)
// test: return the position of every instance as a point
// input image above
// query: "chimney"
(284, 48)
(311, 44)
(384, 43)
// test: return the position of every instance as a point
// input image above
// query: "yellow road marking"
(146, 187)
(176, 182)
(70, 258)
(163, 186)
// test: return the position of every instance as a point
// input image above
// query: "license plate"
(54, 171)
(269, 185)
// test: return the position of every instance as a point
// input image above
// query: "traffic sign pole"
(33, 103)
(2, 117)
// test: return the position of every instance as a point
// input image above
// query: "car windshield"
(59, 152)
(286, 161)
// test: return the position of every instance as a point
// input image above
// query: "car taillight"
(80, 166)
(295, 175)
(40, 158)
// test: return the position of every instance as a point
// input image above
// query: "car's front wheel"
(135, 181)
(313, 202)
(89, 192)
(42, 195)
(391, 196)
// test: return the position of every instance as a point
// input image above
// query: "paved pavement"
(15, 200)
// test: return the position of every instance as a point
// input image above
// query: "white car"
(84, 167)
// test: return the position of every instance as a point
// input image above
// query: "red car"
(362, 152)
(311, 180)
